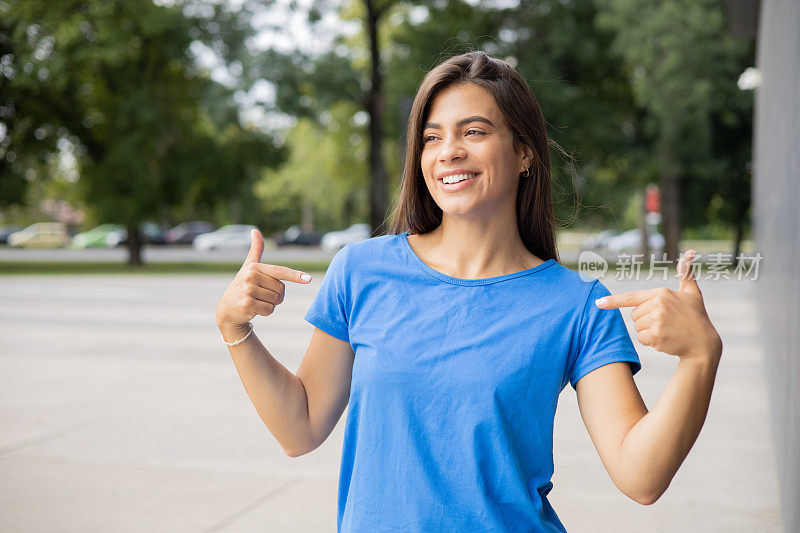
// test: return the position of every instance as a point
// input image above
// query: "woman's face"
(464, 131)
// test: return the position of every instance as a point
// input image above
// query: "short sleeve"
(329, 310)
(603, 338)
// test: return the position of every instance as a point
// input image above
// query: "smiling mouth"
(470, 176)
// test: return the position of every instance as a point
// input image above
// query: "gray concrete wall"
(776, 218)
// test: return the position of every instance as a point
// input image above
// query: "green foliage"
(682, 65)
(308, 86)
(326, 167)
(117, 79)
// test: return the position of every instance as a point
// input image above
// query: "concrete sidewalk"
(120, 410)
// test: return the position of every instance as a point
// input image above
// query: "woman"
(452, 336)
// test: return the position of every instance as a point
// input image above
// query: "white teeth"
(457, 177)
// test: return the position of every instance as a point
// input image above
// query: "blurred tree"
(723, 197)
(337, 76)
(322, 94)
(320, 172)
(118, 81)
(27, 135)
(681, 61)
(374, 12)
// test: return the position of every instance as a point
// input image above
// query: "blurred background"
(139, 123)
(150, 137)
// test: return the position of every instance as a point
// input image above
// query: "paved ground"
(121, 411)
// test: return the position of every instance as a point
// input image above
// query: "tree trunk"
(134, 246)
(737, 244)
(645, 248)
(670, 202)
(742, 202)
(378, 178)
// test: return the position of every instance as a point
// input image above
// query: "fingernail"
(601, 301)
(305, 277)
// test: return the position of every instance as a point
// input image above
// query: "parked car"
(335, 240)
(230, 237)
(6, 230)
(95, 237)
(150, 232)
(41, 235)
(598, 240)
(295, 235)
(631, 241)
(185, 232)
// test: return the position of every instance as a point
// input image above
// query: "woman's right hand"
(256, 289)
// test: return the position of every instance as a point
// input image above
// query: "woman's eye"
(427, 137)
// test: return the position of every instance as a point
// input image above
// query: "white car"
(41, 235)
(335, 240)
(631, 241)
(230, 237)
(598, 240)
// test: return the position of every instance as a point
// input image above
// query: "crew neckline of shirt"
(464, 281)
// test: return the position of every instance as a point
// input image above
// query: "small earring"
(525, 173)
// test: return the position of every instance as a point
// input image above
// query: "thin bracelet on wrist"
(240, 340)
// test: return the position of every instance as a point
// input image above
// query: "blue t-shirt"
(454, 386)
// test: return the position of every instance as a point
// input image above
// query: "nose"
(451, 148)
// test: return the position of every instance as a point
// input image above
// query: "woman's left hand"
(673, 322)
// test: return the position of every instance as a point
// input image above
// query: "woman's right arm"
(301, 410)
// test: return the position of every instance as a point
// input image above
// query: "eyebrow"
(474, 118)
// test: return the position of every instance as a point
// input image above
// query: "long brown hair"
(416, 211)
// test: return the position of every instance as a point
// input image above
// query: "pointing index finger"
(284, 273)
(626, 299)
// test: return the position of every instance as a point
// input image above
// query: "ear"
(527, 155)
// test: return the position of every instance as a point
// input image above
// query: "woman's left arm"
(676, 323)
